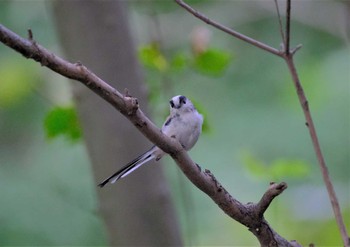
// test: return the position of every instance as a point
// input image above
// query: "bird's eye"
(182, 100)
(171, 103)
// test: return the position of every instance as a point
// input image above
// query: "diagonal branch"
(228, 30)
(310, 124)
(249, 215)
(280, 23)
(288, 57)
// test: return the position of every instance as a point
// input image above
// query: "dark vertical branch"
(287, 42)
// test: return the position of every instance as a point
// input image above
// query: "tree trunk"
(138, 209)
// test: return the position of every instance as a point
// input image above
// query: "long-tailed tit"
(184, 124)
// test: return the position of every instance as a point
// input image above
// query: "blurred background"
(254, 129)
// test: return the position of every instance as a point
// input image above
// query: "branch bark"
(250, 215)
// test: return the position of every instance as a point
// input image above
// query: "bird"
(184, 124)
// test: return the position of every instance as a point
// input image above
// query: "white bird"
(184, 124)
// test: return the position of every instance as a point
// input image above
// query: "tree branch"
(312, 130)
(273, 191)
(250, 215)
(287, 41)
(280, 23)
(287, 55)
(228, 30)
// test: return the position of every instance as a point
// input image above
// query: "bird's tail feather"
(134, 167)
(130, 167)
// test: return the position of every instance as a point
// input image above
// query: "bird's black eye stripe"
(171, 103)
(182, 100)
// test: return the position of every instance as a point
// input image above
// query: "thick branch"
(249, 215)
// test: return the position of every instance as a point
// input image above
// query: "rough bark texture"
(137, 210)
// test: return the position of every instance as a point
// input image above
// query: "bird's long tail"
(130, 167)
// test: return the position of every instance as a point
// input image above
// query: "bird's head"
(180, 103)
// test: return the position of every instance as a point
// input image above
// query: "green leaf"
(277, 170)
(151, 57)
(212, 62)
(289, 168)
(62, 121)
(178, 62)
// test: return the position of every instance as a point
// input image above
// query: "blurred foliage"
(319, 231)
(17, 82)
(151, 57)
(277, 170)
(206, 128)
(212, 62)
(63, 121)
(179, 62)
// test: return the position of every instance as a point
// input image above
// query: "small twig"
(280, 23)
(273, 191)
(294, 50)
(228, 30)
(30, 34)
